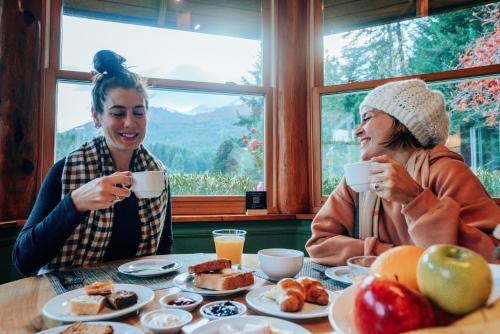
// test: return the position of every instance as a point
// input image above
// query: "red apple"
(387, 306)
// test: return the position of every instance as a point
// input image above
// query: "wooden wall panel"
(291, 88)
(20, 49)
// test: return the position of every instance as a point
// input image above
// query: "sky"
(156, 52)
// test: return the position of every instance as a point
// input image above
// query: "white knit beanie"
(420, 109)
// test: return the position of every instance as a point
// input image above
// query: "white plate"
(182, 282)
(238, 322)
(58, 307)
(341, 313)
(269, 306)
(341, 274)
(118, 328)
(149, 263)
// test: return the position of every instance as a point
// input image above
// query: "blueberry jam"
(223, 309)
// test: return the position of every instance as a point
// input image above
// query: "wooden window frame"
(319, 88)
(182, 205)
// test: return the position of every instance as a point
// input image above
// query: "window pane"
(186, 40)
(459, 39)
(339, 145)
(473, 105)
(211, 144)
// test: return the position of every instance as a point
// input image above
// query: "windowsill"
(222, 217)
(305, 216)
(202, 218)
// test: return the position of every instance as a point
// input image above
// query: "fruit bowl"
(341, 311)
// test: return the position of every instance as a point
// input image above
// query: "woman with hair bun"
(421, 192)
(84, 213)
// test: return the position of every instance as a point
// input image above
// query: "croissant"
(290, 295)
(314, 290)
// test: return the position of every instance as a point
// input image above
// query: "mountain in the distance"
(194, 131)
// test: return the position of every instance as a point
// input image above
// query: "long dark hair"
(110, 72)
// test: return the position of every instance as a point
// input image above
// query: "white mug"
(148, 184)
(357, 174)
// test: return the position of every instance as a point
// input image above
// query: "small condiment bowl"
(146, 319)
(242, 309)
(359, 266)
(168, 298)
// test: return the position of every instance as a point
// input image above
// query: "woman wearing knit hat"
(421, 192)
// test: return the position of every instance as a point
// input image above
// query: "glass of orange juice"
(229, 245)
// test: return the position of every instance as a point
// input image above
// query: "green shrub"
(489, 179)
(210, 184)
(330, 184)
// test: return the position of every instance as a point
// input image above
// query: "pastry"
(315, 292)
(99, 288)
(83, 328)
(86, 305)
(122, 299)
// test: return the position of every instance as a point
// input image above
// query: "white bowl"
(278, 263)
(185, 317)
(167, 298)
(242, 309)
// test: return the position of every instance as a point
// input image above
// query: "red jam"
(181, 301)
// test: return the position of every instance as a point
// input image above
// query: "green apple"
(456, 279)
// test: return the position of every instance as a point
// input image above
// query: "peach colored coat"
(455, 209)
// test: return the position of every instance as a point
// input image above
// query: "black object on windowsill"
(256, 202)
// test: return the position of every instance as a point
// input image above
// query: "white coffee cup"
(278, 263)
(357, 175)
(148, 184)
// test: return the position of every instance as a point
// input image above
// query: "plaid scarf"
(88, 242)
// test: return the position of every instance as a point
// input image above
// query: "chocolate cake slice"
(122, 299)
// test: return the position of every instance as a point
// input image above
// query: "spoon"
(165, 267)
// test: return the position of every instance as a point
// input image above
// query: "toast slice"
(225, 279)
(208, 266)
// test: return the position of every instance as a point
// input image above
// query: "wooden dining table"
(21, 304)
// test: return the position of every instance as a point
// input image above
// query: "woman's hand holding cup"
(101, 193)
(391, 180)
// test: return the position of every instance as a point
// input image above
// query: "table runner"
(64, 281)
(313, 270)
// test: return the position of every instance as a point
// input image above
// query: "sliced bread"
(208, 266)
(226, 279)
